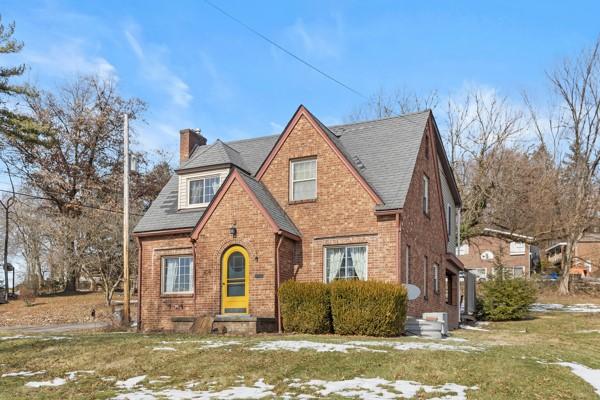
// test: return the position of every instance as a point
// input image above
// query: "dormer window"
(201, 191)
(198, 189)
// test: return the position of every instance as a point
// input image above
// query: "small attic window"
(198, 189)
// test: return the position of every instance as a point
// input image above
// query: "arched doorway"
(235, 281)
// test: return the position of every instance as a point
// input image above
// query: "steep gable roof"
(382, 153)
(261, 197)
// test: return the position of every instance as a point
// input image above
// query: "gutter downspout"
(139, 305)
(195, 270)
(277, 281)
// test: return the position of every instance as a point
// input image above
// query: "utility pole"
(126, 293)
(6, 205)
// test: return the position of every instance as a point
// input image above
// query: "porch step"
(242, 324)
(421, 327)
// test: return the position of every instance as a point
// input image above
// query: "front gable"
(307, 131)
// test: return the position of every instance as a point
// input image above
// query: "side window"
(436, 278)
(177, 275)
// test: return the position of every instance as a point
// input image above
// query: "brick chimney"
(188, 140)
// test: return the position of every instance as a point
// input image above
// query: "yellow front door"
(236, 276)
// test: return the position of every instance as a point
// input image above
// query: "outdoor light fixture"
(233, 230)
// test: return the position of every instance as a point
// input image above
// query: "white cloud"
(155, 69)
(318, 39)
(69, 58)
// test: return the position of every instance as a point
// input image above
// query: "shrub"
(28, 295)
(506, 299)
(305, 307)
(368, 308)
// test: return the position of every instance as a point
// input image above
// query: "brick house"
(586, 254)
(369, 200)
(481, 254)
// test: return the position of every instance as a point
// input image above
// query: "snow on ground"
(590, 375)
(405, 346)
(319, 347)
(53, 382)
(378, 388)
(22, 373)
(473, 328)
(575, 308)
(131, 382)
(213, 344)
(589, 331)
(360, 388)
(42, 338)
(164, 349)
(259, 390)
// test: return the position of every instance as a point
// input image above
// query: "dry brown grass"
(551, 296)
(56, 309)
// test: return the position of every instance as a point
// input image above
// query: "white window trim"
(518, 252)
(463, 249)
(343, 246)
(292, 181)
(484, 275)
(162, 274)
(519, 266)
(184, 186)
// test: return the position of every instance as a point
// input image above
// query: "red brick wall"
(589, 251)
(342, 214)
(157, 310)
(425, 234)
(501, 250)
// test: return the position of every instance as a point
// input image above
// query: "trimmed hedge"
(305, 307)
(506, 299)
(368, 308)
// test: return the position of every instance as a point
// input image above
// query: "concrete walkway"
(87, 326)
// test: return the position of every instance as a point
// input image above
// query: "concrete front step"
(421, 327)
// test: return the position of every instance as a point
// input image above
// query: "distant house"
(374, 200)
(481, 254)
(586, 254)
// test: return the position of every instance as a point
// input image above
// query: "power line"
(69, 203)
(297, 57)
(288, 52)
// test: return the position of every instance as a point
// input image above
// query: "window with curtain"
(201, 191)
(177, 274)
(345, 262)
(425, 194)
(303, 179)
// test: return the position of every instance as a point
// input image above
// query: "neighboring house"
(372, 200)
(481, 254)
(586, 254)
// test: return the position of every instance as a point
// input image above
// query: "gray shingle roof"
(270, 204)
(383, 151)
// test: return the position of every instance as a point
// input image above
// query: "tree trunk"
(563, 286)
(71, 283)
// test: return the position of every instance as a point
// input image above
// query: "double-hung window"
(425, 194)
(517, 248)
(345, 262)
(518, 272)
(303, 179)
(202, 190)
(177, 275)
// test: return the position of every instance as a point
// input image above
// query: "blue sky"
(196, 68)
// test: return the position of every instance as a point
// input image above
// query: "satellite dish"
(412, 291)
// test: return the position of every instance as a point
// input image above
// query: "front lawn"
(510, 360)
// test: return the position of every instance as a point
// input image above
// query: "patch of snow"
(319, 347)
(214, 344)
(378, 388)
(473, 328)
(164, 349)
(591, 376)
(73, 374)
(131, 382)
(42, 338)
(259, 390)
(405, 346)
(53, 382)
(575, 308)
(22, 373)
(589, 331)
